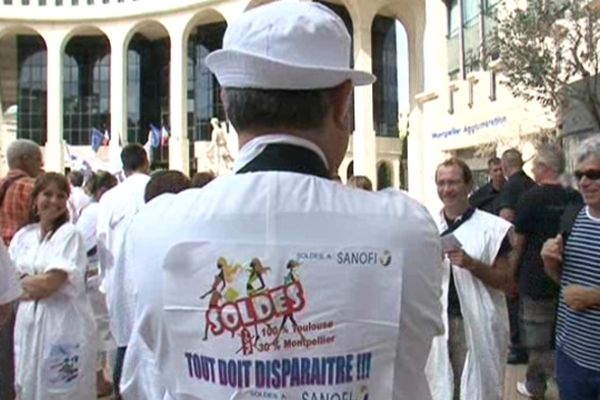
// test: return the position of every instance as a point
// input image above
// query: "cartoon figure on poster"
(262, 303)
(63, 366)
(255, 286)
(221, 288)
(290, 278)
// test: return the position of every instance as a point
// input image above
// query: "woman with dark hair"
(54, 332)
(96, 185)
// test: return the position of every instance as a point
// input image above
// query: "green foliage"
(549, 46)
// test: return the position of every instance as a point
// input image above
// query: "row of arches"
(86, 78)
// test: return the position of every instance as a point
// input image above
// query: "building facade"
(465, 110)
(78, 72)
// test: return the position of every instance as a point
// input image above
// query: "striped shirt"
(577, 332)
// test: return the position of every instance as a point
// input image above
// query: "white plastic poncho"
(267, 216)
(484, 314)
(86, 224)
(116, 209)
(55, 349)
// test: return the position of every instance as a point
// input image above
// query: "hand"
(461, 259)
(552, 250)
(578, 297)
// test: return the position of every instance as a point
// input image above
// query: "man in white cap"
(277, 282)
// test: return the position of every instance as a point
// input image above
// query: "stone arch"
(203, 17)
(385, 175)
(19, 29)
(150, 28)
(84, 30)
(23, 87)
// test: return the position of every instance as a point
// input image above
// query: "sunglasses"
(592, 174)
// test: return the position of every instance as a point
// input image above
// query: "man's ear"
(341, 97)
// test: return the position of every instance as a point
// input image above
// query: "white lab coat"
(10, 288)
(484, 314)
(55, 348)
(86, 224)
(248, 211)
(78, 200)
(116, 210)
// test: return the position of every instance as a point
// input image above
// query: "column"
(416, 169)
(364, 144)
(179, 157)
(118, 87)
(54, 147)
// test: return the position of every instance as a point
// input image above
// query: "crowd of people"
(278, 281)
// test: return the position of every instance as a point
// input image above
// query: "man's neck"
(514, 172)
(135, 171)
(452, 213)
(549, 181)
(594, 211)
(497, 185)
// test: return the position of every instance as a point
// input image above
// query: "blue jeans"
(574, 381)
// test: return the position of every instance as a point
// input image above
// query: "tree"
(548, 52)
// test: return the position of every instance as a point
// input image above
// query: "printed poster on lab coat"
(281, 322)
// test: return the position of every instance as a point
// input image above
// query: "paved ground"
(517, 373)
(513, 374)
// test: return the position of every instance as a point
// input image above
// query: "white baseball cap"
(286, 44)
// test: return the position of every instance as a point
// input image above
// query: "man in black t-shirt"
(486, 197)
(538, 219)
(518, 183)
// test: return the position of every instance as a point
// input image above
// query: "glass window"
(148, 92)
(202, 85)
(86, 83)
(385, 88)
(470, 11)
(453, 18)
(31, 88)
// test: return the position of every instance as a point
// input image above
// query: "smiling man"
(476, 273)
(574, 264)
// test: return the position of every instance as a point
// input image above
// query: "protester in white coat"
(78, 199)
(468, 361)
(115, 212)
(97, 185)
(55, 349)
(10, 288)
(364, 297)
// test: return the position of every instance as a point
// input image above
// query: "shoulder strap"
(459, 221)
(567, 220)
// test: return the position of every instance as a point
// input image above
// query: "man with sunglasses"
(573, 262)
(538, 217)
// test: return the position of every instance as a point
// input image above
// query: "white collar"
(255, 146)
(590, 216)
